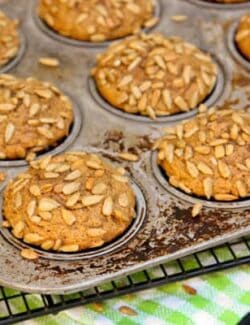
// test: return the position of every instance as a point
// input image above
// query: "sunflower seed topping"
(9, 132)
(204, 168)
(49, 62)
(71, 188)
(29, 254)
(68, 217)
(91, 200)
(47, 204)
(107, 206)
(197, 209)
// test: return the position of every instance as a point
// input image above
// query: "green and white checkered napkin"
(220, 298)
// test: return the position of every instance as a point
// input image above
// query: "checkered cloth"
(221, 298)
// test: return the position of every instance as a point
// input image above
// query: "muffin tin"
(163, 228)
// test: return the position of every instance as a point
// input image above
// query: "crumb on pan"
(49, 62)
(128, 156)
(29, 254)
(179, 18)
(197, 209)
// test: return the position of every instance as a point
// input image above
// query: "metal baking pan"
(163, 229)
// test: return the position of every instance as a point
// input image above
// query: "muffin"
(34, 116)
(209, 155)
(154, 75)
(9, 39)
(242, 37)
(68, 203)
(97, 20)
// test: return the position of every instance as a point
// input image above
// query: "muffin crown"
(69, 202)
(97, 20)
(34, 115)
(209, 155)
(154, 75)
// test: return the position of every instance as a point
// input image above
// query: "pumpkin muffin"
(209, 155)
(154, 75)
(34, 116)
(242, 37)
(69, 203)
(9, 39)
(97, 20)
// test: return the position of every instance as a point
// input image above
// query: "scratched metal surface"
(167, 231)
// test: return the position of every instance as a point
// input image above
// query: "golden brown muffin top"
(154, 75)
(242, 37)
(69, 202)
(97, 20)
(209, 155)
(34, 115)
(9, 39)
